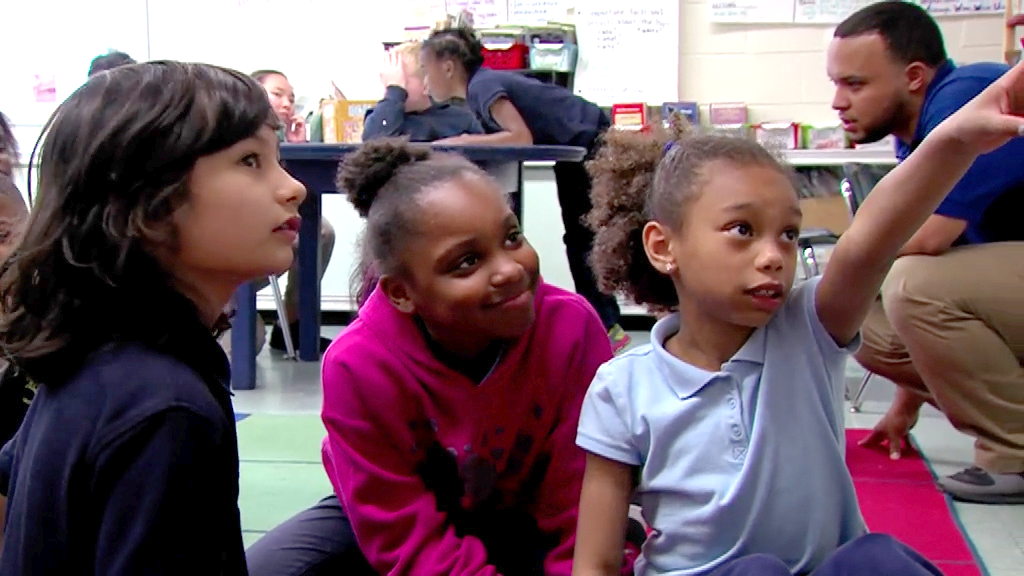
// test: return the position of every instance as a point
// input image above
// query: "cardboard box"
(823, 137)
(629, 116)
(343, 120)
(727, 113)
(828, 212)
(689, 110)
(778, 135)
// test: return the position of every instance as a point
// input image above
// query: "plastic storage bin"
(505, 48)
(553, 57)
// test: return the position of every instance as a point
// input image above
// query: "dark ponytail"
(458, 43)
(383, 180)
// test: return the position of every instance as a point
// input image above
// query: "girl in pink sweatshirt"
(451, 403)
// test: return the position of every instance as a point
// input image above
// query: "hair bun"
(363, 173)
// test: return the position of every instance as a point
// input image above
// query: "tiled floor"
(272, 462)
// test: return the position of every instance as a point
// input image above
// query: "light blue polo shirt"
(746, 460)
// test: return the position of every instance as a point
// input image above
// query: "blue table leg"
(309, 277)
(517, 196)
(243, 339)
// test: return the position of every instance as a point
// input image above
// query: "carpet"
(900, 498)
(280, 469)
(281, 474)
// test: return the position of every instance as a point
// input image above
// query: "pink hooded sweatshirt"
(440, 475)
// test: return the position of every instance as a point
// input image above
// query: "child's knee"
(756, 565)
(876, 554)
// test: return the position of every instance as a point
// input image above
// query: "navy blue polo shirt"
(129, 465)
(442, 120)
(989, 195)
(554, 115)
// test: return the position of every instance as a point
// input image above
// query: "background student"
(109, 61)
(282, 100)
(407, 110)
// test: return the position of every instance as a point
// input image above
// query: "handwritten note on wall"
(765, 11)
(486, 13)
(618, 44)
(538, 11)
(830, 11)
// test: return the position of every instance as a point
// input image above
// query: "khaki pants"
(951, 328)
(291, 292)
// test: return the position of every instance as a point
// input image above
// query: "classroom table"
(316, 166)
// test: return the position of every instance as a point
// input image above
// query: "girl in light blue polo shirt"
(729, 425)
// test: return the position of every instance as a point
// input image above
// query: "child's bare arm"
(603, 515)
(907, 196)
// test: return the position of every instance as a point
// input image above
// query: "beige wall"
(779, 70)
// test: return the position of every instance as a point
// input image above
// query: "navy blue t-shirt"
(441, 120)
(989, 196)
(128, 466)
(554, 115)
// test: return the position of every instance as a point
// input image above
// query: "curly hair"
(458, 43)
(383, 181)
(640, 176)
(114, 165)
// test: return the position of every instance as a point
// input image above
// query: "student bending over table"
(406, 109)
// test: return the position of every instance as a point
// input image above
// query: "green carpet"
(281, 471)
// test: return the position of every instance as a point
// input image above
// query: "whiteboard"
(628, 51)
(762, 11)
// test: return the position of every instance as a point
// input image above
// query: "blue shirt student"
(989, 197)
(746, 460)
(554, 115)
(91, 475)
(441, 120)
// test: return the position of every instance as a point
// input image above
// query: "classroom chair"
(858, 180)
(275, 286)
(808, 242)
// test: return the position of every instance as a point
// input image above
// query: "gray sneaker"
(978, 486)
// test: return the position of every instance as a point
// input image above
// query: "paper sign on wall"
(538, 11)
(486, 13)
(44, 88)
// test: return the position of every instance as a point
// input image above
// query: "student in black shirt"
(160, 192)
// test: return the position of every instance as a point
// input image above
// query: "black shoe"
(277, 338)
